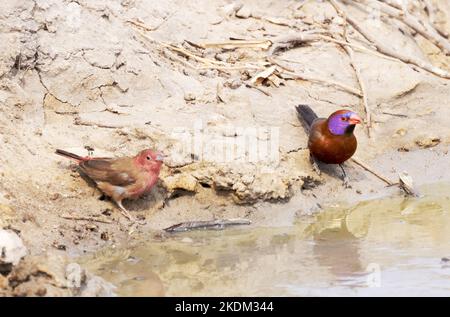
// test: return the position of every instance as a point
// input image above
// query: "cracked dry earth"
(78, 75)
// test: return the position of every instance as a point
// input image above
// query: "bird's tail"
(70, 155)
(306, 114)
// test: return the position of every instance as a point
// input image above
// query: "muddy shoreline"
(76, 75)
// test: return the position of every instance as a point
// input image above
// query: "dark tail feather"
(306, 114)
(69, 155)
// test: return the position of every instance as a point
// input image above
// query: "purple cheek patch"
(336, 125)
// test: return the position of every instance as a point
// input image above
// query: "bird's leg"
(345, 177)
(314, 164)
(124, 211)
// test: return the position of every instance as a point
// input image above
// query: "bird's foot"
(127, 215)
(345, 179)
(346, 182)
(315, 165)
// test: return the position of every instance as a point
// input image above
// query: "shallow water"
(394, 246)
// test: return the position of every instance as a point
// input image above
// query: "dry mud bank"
(79, 74)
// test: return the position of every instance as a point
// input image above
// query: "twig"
(79, 121)
(182, 51)
(232, 67)
(141, 25)
(395, 114)
(272, 60)
(362, 86)
(344, 87)
(179, 59)
(192, 56)
(193, 44)
(207, 63)
(278, 21)
(356, 68)
(147, 28)
(248, 85)
(430, 11)
(213, 224)
(288, 71)
(367, 168)
(232, 44)
(291, 41)
(432, 19)
(301, 4)
(423, 28)
(84, 218)
(392, 53)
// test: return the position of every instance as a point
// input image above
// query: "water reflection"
(394, 243)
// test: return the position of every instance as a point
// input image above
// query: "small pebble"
(104, 236)
(187, 240)
(55, 196)
(244, 12)
(236, 83)
(189, 97)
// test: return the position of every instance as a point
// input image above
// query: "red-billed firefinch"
(121, 178)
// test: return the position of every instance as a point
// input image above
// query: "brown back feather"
(112, 171)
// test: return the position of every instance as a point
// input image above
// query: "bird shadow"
(333, 170)
(155, 199)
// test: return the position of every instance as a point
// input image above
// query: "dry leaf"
(275, 80)
(407, 184)
(261, 76)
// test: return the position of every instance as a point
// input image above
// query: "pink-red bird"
(121, 178)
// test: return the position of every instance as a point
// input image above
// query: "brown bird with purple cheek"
(330, 140)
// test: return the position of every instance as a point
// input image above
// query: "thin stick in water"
(218, 224)
(367, 168)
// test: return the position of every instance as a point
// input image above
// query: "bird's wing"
(113, 171)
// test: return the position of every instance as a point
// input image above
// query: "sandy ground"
(77, 75)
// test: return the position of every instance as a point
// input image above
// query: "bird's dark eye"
(343, 118)
(149, 158)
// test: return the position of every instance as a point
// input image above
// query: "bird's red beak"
(354, 119)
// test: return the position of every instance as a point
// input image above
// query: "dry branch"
(392, 9)
(90, 123)
(356, 68)
(393, 53)
(213, 224)
(268, 94)
(205, 63)
(233, 44)
(296, 75)
(362, 86)
(431, 12)
(298, 39)
(70, 217)
(291, 41)
(367, 168)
